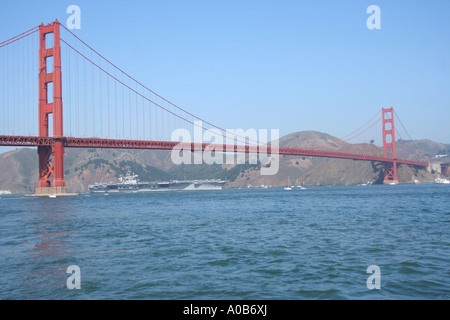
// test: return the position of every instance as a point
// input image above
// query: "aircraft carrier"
(131, 184)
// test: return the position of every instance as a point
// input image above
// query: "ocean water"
(244, 244)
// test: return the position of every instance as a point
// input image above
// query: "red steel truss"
(170, 145)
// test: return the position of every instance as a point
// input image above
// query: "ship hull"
(156, 187)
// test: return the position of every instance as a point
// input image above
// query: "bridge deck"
(20, 141)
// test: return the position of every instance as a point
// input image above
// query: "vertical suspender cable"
(33, 100)
(17, 85)
(21, 96)
(137, 120)
(143, 114)
(93, 98)
(13, 91)
(150, 127)
(7, 90)
(25, 92)
(129, 106)
(77, 98)
(3, 94)
(163, 124)
(85, 96)
(156, 121)
(69, 92)
(115, 99)
(108, 107)
(28, 86)
(101, 103)
(65, 86)
(123, 109)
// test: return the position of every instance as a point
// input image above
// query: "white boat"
(288, 187)
(442, 181)
(300, 186)
(52, 196)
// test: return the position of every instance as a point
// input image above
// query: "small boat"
(300, 186)
(288, 187)
(52, 196)
(440, 180)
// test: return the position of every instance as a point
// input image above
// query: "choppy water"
(230, 244)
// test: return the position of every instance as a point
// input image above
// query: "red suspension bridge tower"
(51, 158)
(390, 168)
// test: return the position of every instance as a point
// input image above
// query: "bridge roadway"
(24, 141)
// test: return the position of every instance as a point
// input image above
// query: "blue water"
(231, 244)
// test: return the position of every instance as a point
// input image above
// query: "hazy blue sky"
(288, 65)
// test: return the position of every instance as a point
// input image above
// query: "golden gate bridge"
(105, 107)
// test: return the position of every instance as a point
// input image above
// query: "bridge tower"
(390, 168)
(51, 158)
(444, 169)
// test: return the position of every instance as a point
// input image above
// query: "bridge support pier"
(390, 173)
(444, 169)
